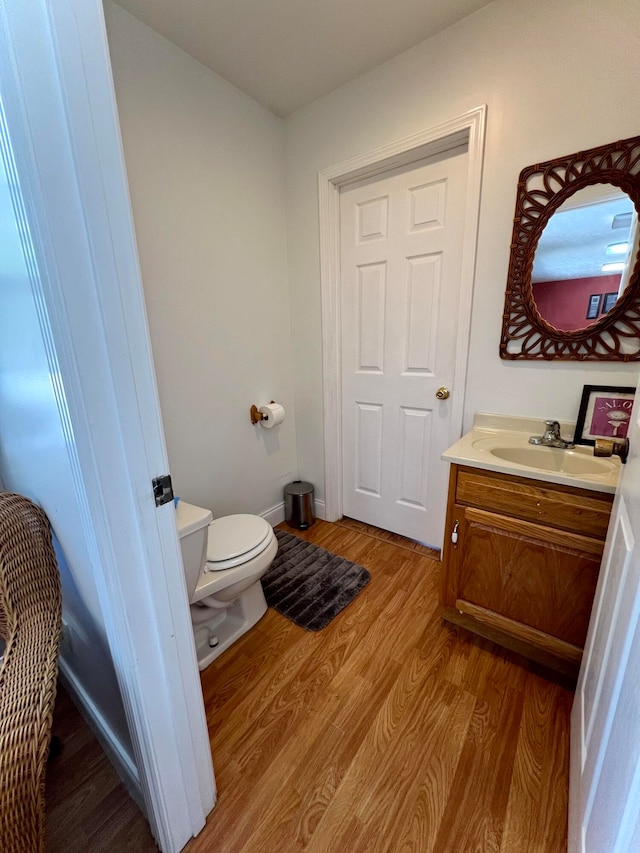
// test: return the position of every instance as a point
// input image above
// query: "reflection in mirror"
(584, 257)
(589, 184)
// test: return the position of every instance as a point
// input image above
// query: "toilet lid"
(234, 539)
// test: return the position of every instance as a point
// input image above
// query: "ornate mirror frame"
(541, 190)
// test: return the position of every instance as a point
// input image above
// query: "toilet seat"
(235, 539)
(225, 584)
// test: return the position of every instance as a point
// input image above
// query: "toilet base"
(229, 625)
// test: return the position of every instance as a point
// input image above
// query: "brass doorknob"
(443, 393)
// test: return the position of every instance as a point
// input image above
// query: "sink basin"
(500, 443)
(554, 459)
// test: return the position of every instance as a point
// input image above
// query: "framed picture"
(594, 306)
(605, 412)
(610, 300)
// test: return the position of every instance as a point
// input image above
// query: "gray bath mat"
(310, 585)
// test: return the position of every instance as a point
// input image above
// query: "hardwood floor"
(88, 808)
(388, 536)
(387, 731)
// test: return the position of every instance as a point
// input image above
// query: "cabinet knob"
(454, 533)
(443, 393)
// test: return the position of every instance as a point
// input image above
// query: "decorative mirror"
(573, 288)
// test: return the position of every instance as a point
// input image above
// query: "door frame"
(60, 137)
(468, 128)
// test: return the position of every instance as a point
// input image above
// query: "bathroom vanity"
(524, 538)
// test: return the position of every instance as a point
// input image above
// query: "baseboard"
(117, 755)
(320, 510)
(275, 515)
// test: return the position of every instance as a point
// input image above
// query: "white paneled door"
(401, 249)
(604, 812)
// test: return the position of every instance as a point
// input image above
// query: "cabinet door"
(532, 574)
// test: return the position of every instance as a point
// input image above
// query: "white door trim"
(62, 139)
(470, 128)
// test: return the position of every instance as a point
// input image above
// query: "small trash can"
(299, 506)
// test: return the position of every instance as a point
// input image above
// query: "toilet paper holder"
(256, 415)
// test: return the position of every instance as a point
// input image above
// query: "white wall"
(35, 462)
(205, 165)
(556, 77)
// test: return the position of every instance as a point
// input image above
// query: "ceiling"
(574, 242)
(287, 53)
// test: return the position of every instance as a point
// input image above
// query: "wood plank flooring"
(88, 808)
(387, 731)
(388, 536)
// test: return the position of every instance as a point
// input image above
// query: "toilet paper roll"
(273, 415)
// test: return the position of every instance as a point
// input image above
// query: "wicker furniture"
(30, 618)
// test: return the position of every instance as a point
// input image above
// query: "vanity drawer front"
(575, 510)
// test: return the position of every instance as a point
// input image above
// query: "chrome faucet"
(551, 437)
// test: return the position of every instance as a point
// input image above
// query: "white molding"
(469, 128)
(72, 199)
(329, 201)
(104, 734)
(321, 510)
(275, 515)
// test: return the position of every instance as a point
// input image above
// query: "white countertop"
(501, 443)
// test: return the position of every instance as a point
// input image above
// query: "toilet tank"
(193, 528)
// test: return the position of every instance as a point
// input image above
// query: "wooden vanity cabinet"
(523, 568)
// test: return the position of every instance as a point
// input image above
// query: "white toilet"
(223, 563)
